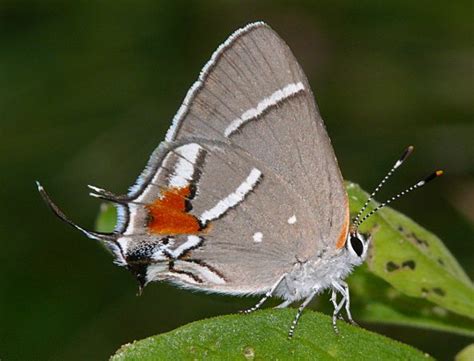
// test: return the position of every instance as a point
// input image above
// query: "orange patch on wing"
(168, 213)
(341, 240)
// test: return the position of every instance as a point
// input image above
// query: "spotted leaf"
(413, 260)
(263, 336)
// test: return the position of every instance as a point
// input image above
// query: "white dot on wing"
(257, 237)
(292, 219)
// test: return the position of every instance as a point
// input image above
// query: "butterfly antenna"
(417, 185)
(57, 211)
(398, 163)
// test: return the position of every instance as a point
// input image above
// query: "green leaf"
(466, 354)
(107, 218)
(374, 300)
(263, 336)
(413, 260)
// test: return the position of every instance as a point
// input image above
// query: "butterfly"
(244, 196)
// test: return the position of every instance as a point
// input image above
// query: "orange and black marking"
(169, 214)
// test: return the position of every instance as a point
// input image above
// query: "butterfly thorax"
(317, 274)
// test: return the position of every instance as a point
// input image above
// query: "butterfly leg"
(343, 288)
(348, 303)
(337, 309)
(264, 298)
(300, 311)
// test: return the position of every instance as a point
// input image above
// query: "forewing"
(253, 94)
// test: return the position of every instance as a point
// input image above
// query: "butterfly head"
(357, 245)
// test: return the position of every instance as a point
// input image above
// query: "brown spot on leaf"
(409, 264)
(439, 291)
(419, 241)
(391, 266)
(249, 353)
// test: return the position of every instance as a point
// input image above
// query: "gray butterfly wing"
(247, 177)
(209, 215)
(256, 223)
(254, 95)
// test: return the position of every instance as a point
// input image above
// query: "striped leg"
(337, 309)
(298, 314)
(266, 297)
(348, 303)
(343, 289)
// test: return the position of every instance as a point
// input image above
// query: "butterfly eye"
(357, 245)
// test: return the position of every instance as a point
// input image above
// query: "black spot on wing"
(139, 258)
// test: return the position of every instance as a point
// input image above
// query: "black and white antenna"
(417, 185)
(358, 220)
(397, 164)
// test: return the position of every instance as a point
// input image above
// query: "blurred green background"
(88, 90)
